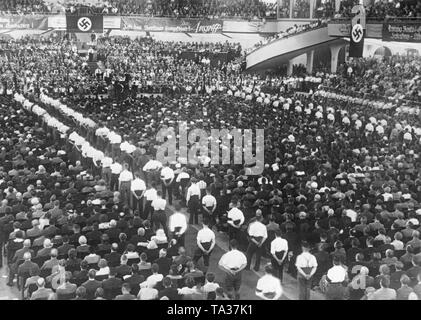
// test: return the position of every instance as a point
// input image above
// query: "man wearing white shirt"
(116, 169)
(232, 263)
(138, 188)
(150, 195)
(306, 265)
(278, 251)
(182, 180)
(177, 225)
(192, 198)
(269, 287)
(159, 217)
(235, 221)
(125, 179)
(167, 178)
(335, 278)
(205, 240)
(209, 206)
(257, 234)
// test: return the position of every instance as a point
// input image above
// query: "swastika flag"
(85, 24)
(357, 36)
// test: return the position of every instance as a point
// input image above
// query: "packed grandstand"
(90, 211)
(247, 9)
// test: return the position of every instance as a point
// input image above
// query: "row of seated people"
(383, 9)
(111, 272)
(243, 9)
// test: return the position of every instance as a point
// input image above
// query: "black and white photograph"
(219, 153)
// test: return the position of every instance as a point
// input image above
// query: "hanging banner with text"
(14, 22)
(171, 25)
(343, 29)
(402, 31)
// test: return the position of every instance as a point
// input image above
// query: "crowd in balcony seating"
(383, 9)
(23, 6)
(243, 9)
(340, 187)
(295, 30)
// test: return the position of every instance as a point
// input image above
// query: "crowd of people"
(337, 205)
(394, 78)
(383, 9)
(241, 9)
(218, 9)
(22, 7)
(292, 31)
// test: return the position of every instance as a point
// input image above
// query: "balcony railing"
(323, 25)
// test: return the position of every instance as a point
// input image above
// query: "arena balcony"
(287, 45)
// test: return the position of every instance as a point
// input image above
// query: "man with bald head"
(41, 293)
(113, 258)
(46, 251)
(53, 261)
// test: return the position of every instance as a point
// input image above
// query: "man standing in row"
(269, 287)
(209, 206)
(125, 179)
(278, 251)
(167, 178)
(177, 225)
(306, 265)
(258, 234)
(138, 188)
(193, 201)
(232, 263)
(205, 240)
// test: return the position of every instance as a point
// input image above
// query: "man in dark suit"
(169, 291)
(65, 247)
(74, 238)
(94, 236)
(413, 272)
(50, 231)
(113, 232)
(163, 262)
(112, 285)
(84, 248)
(113, 258)
(104, 246)
(125, 289)
(25, 268)
(67, 290)
(19, 253)
(45, 252)
(91, 285)
(49, 264)
(123, 269)
(35, 231)
(81, 276)
(135, 280)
